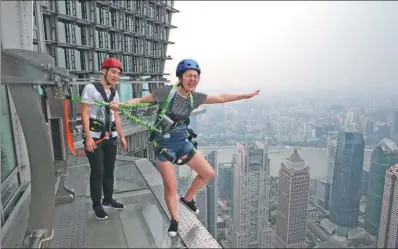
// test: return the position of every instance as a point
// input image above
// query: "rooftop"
(295, 157)
(295, 162)
(387, 146)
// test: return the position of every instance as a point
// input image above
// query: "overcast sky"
(287, 45)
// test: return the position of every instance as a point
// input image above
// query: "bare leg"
(167, 172)
(204, 174)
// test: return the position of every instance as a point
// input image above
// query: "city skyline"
(280, 160)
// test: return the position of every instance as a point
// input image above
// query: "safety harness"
(166, 125)
(162, 126)
(108, 127)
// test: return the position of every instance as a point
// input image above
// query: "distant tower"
(346, 186)
(293, 196)
(249, 226)
(201, 203)
(388, 229)
(331, 155)
(212, 194)
(383, 157)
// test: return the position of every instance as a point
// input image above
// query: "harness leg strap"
(177, 161)
(188, 158)
(169, 157)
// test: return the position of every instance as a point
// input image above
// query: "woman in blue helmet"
(176, 142)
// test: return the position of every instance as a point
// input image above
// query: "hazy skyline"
(282, 46)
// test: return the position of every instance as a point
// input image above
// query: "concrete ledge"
(191, 230)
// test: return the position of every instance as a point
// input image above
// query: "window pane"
(145, 89)
(78, 62)
(78, 9)
(62, 7)
(78, 35)
(8, 158)
(61, 57)
(61, 32)
(126, 92)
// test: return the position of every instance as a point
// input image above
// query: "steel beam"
(1, 204)
(27, 102)
(41, 218)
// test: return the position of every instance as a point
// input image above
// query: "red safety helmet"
(112, 62)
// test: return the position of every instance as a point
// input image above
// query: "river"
(315, 158)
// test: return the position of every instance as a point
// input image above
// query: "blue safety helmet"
(185, 65)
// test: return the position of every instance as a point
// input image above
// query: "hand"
(123, 143)
(114, 106)
(251, 95)
(90, 144)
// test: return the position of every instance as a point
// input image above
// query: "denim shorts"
(176, 143)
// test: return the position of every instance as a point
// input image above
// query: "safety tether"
(124, 108)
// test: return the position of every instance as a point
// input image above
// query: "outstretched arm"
(224, 98)
(146, 99)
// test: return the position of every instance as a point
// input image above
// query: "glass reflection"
(9, 190)
(8, 158)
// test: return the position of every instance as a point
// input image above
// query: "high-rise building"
(383, 157)
(368, 127)
(331, 159)
(201, 203)
(346, 186)
(365, 181)
(212, 194)
(226, 181)
(322, 193)
(81, 34)
(249, 226)
(331, 155)
(388, 229)
(395, 121)
(293, 197)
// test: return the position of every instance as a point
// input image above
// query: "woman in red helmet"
(101, 127)
(181, 100)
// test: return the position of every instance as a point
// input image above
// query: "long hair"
(179, 82)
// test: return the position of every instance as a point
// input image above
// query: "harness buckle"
(164, 123)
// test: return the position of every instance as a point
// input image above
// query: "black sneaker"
(190, 205)
(113, 204)
(100, 213)
(173, 228)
